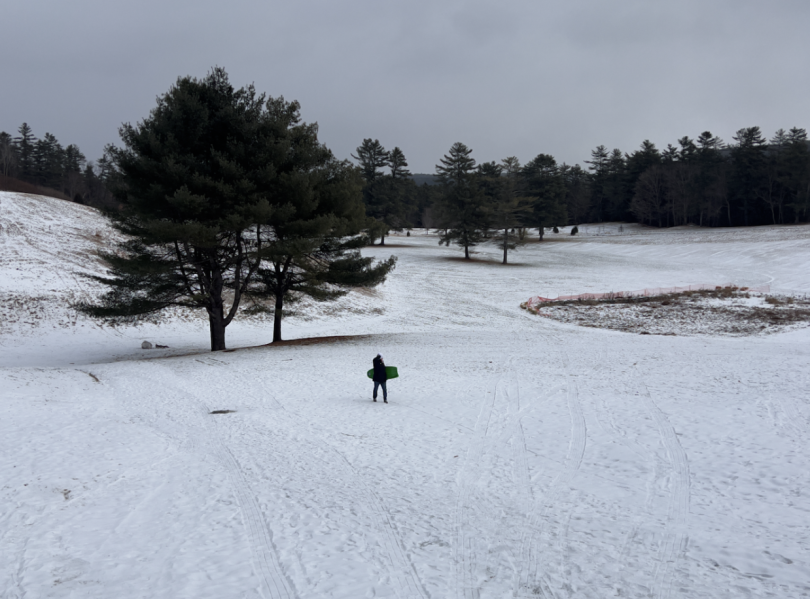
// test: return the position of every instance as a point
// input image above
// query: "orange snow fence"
(651, 292)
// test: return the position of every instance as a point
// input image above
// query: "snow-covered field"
(517, 456)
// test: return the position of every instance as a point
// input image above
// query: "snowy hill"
(46, 245)
(518, 457)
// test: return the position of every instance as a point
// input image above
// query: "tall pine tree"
(462, 208)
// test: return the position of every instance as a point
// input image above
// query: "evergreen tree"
(311, 244)
(795, 173)
(616, 195)
(543, 184)
(670, 154)
(747, 172)
(372, 157)
(576, 182)
(386, 196)
(218, 188)
(24, 144)
(462, 208)
(599, 186)
(74, 160)
(508, 209)
(711, 186)
(636, 164)
(398, 164)
(688, 149)
(8, 155)
(48, 160)
(649, 200)
(779, 140)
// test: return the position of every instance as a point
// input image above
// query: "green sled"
(390, 372)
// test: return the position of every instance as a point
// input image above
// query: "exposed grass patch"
(726, 311)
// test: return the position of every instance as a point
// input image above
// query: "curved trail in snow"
(674, 540)
(466, 584)
(400, 567)
(531, 579)
(498, 430)
(189, 427)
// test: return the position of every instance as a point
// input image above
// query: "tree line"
(471, 204)
(43, 165)
(704, 181)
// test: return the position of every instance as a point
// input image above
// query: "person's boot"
(385, 400)
(375, 399)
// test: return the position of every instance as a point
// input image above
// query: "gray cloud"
(506, 78)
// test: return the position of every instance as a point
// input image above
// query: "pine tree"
(711, 181)
(616, 194)
(398, 164)
(387, 197)
(544, 185)
(372, 157)
(49, 158)
(220, 187)
(461, 207)
(576, 182)
(507, 207)
(74, 160)
(24, 144)
(649, 198)
(311, 244)
(637, 163)
(8, 155)
(688, 149)
(795, 173)
(747, 171)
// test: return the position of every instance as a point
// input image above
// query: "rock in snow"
(146, 345)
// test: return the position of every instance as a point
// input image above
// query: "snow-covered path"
(517, 457)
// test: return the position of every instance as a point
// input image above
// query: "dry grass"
(728, 311)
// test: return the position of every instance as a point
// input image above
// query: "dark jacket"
(380, 375)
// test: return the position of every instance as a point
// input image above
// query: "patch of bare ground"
(285, 343)
(474, 260)
(730, 312)
(553, 238)
(317, 340)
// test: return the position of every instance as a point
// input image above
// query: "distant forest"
(702, 181)
(43, 166)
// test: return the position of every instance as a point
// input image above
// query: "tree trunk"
(382, 237)
(277, 317)
(216, 313)
(216, 324)
(505, 239)
(541, 231)
(466, 252)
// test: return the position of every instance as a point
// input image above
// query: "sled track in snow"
(499, 423)
(609, 425)
(796, 421)
(530, 581)
(268, 567)
(466, 586)
(400, 567)
(264, 551)
(674, 540)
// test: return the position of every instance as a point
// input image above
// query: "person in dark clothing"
(380, 377)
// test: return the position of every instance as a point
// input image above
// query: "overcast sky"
(506, 78)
